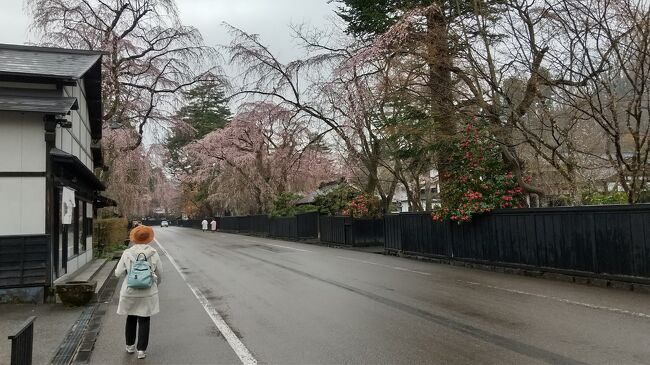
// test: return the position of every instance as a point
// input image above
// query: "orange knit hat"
(141, 235)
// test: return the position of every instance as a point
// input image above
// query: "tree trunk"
(428, 193)
(440, 88)
(373, 179)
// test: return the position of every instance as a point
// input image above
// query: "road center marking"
(270, 244)
(235, 343)
(386, 266)
(562, 300)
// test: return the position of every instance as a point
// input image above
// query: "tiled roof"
(46, 62)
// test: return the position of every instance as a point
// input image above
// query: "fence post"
(22, 343)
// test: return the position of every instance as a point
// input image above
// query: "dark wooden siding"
(612, 240)
(333, 229)
(24, 261)
(286, 227)
(307, 225)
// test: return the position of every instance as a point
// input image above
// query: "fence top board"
(577, 209)
(23, 327)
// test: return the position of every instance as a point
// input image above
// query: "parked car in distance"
(164, 224)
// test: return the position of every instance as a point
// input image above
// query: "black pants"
(133, 322)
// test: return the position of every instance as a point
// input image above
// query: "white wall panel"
(23, 205)
(66, 144)
(22, 142)
(59, 138)
(10, 142)
(33, 143)
(79, 134)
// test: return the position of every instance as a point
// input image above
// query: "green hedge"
(109, 234)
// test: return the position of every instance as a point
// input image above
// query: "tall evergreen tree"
(368, 18)
(435, 46)
(205, 111)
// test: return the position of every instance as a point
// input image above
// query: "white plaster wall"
(79, 261)
(76, 140)
(22, 208)
(22, 142)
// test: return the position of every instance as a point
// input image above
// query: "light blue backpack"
(140, 276)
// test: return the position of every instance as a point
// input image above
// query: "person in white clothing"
(204, 225)
(213, 225)
(136, 303)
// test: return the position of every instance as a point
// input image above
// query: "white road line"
(562, 300)
(235, 343)
(270, 244)
(386, 266)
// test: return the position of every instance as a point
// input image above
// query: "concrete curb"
(601, 282)
(309, 241)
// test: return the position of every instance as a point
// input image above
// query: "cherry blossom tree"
(150, 55)
(151, 58)
(348, 103)
(263, 151)
(128, 175)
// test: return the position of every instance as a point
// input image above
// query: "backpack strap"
(138, 257)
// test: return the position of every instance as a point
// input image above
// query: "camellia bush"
(363, 206)
(478, 180)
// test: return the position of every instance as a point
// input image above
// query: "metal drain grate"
(72, 339)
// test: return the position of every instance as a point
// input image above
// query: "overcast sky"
(268, 18)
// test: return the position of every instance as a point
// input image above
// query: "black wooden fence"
(335, 229)
(283, 227)
(22, 343)
(351, 231)
(613, 240)
(24, 260)
(301, 226)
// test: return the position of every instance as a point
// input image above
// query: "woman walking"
(139, 293)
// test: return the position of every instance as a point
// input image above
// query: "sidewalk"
(182, 333)
(53, 321)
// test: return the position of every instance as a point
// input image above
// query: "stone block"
(558, 277)
(620, 285)
(603, 283)
(642, 288)
(581, 280)
(76, 293)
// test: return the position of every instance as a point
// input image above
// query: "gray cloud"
(271, 19)
(14, 22)
(268, 18)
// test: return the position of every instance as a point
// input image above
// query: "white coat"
(139, 302)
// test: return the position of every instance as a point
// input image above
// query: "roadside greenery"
(284, 206)
(109, 235)
(478, 180)
(363, 206)
(335, 201)
(598, 198)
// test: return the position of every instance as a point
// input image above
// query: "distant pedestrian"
(139, 294)
(204, 225)
(213, 225)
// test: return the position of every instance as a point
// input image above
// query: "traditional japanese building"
(50, 131)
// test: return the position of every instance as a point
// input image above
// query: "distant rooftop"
(46, 62)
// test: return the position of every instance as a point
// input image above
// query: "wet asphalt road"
(294, 303)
